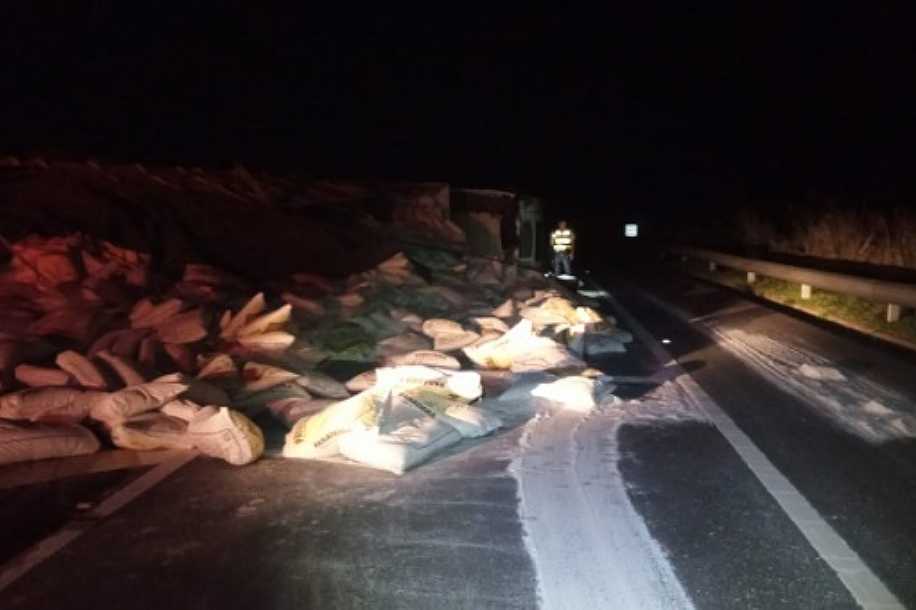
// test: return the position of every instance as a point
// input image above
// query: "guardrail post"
(898, 298)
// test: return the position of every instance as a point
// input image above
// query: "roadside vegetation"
(862, 234)
(847, 310)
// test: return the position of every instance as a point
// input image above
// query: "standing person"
(563, 242)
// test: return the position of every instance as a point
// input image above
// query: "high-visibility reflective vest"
(561, 240)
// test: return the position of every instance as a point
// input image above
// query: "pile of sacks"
(85, 357)
(46, 422)
(115, 390)
(583, 329)
(411, 413)
(93, 348)
(426, 395)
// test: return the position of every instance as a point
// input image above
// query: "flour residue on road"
(868, 410)
(590, 547)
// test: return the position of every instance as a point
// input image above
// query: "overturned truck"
(385, 364)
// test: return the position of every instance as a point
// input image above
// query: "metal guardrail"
(894, 294)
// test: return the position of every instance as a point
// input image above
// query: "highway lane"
(288, 534)
(821, 435)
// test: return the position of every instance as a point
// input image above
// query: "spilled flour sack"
(317, 436)
(589, 546)
(839, 394)
(574, 393)
(397, 451)
(226, 434)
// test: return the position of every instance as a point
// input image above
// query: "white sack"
(506, 310)
(500, 353)
(41, 376)
(147, 315)
(115, 407)
(186, 327)
(450, 342)
(52, 405)
(220, 366)
(317, 436)
(21, 442)
(181, 408)
(438, 326)
(574, 393)
(361, 382)
(320, 384)
(263, 376)
(80, 368)
(491, 323)
(231, 325)
(402, 344)
(425, 358)
(274, 341)
(542, 354)
(226, 434)
(151, 431)
(401, 449)
(465, 385)
(272, 321)
(471, 422)
(124, 369)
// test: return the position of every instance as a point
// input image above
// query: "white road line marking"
(724, 312)
(864, 586)
(14, 569)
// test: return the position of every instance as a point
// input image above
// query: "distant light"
(631, 229)
(565, 276)
(666, 341)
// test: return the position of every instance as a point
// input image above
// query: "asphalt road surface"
(460, 532)
(863, 485)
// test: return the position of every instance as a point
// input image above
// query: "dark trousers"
(562, 263)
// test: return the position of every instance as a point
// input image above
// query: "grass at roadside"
(831, 306)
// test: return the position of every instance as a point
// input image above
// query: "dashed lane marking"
(864, 586)
(728, 311)
(17, 567)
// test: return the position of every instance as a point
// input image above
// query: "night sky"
(660, 108)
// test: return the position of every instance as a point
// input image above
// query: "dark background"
(648, 113)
